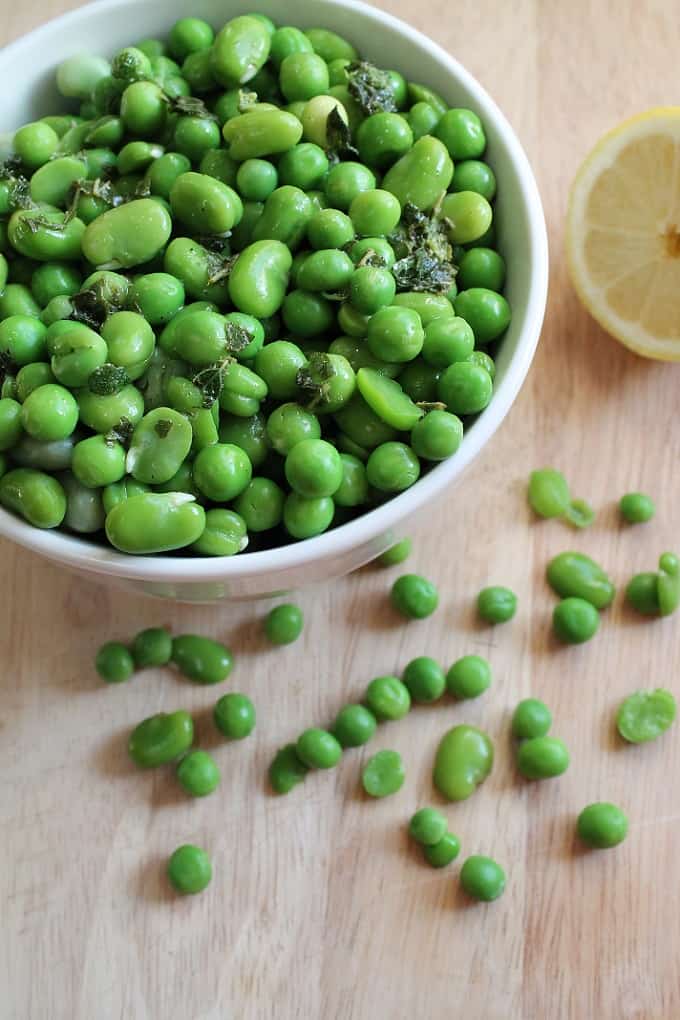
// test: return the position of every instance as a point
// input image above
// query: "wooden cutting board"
(319, 906)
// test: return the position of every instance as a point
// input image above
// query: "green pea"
(239, 51)
(330, 46)
(318, 749)
(35, 144)
(128, 235)
(645, 715)
(286, 770)
(76, 355)
(35, 496)
(465, 388)
(204, 204)
(155, 522)
(303, 76)
(307, 315)
(50, 412)
(347, 180)
(54, 279)
(383, 138)
(481, 267)
(388, 698)
(278, 364)
(189, 35)
(326, 270)
(542, 758)
(442, 853)
(114, 663)
(242, 390)
(189, 869)
(304, 166)
(574, 574)
(222, 472)
(160, 443)
(437, 436)
(462, 133)
(392, 467)
(284, 624)
(234, 716)
(468, 214)
(11, 428)
(532, 718)
(468, 677)
(375, 212)
(428, 826)
(447, 340)
(421, 175)
(463, 760)
(353, 489)
(46, 236)
(395, 334)
(225, 534)
(259, 278)
(351, 321)
(486, 311)
(428, 306)
(248, 433)
(289, 424)
(256, 179)
(198, 773)
(425, 679)
(261, 133)
(313, 468)
(288, 40)
(107, 132)
(383, 774)
(261, 505)
(159, 296)
(496, 604)
(198, 73)
(160, 739)
(482, 878)
(23, 339)
(548, 493)
(98, 462)
(396, 554)
(575, 620)
(304, 517)
(602, 825)
(35, 374)
(423, 119)
(354, 726)
(197, 269)
(642, 593)
(636, 508)
(357, 354)
(116, 493)
(474, 175)
(53, 182)
(152, 647)
(286, 215)
(316, 114)
(137, 156)
(362, 425)
(102, 413)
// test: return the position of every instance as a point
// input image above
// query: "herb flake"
(371, 88)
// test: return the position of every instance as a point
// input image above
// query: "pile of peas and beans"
(465, 755)
(248, 289)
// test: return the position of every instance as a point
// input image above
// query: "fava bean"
(154, 522)
(464, 759)
(35, 496)
(161, 739)
(127, 236)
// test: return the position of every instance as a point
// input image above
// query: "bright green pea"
(35, 374)
(395, 334)
(284, 624)
(482, 878)
(197, 72)
(330, 46)
(353, 489)
(189, 869)
(114, 662)
(642, 593)
(304, 166)
(152, 647)
(306, 314)
(542, 758)
(347, 180)
(548, 493)
(602, 825)
(46, 236)
(575, 620)
(375, 212)
(35, 496)
(428, 306)
(159, 296)
(437, 436)
(465, 388)
(329, 270)
(155, 522)
(165, 170)
(261, 505)
(468, 677)
(247, 433)
(261, 133)
(354, 726)
(462, 133)
(318, 749)
(278, 364)
(202, 659)
(361, 424)
(468, 214)
(314, 468)
(645, 715)
(160, 443)
(198, 773)
(371, 288)
(447, 340)
(303, 76)
(35, 144)
(160, 739)
(189, 35)
(442, 853)
(351, 321)
(239, 51)
(102, 413)
(225, 534)
(286, 214)
(377, 247)
(532, 718)
(425, 679)
(259, 278)
(98, 461)
(496, 604)
(137, 156)
(481, 267)
(288, 40)
(222, 472)
(50, 412)
(304, 517)
(474, 175)
(289, 424)
(256, 179)
(392, 467)
(384, 138)
(636, 508)
(54, 279)
(388, 698)
(396, 554)
(357, 354)
(486, 311)
(199, 270)
(76, 355)
(423, 119)
(128, 235)
(286, 770)
(383, 774)
(23, 339)
(234, 716)
(428, 826)
(463, 760)
(575, 574)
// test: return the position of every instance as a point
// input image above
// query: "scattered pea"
(152, 647)
(468, 677)
(496, 604)
(383, 774)
(114, 663)
(645, 715)
(602, 825)
(414, 596)
(428, 826)
(318, 749)
(482, 878)
(234, 716)
(532, 718)
(189, 869)
(442, 853)
(201, 659)
(425, 679)
(198, 773)
(542, 757)
(575, 620)
(636, 508)
(284, 624)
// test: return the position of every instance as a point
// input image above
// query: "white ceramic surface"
(27, 69)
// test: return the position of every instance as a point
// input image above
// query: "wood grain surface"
(319, 907)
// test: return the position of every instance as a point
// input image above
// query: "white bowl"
(27, 71)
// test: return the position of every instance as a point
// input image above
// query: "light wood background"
(319, 906)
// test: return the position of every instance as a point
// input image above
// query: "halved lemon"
(623, 233)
